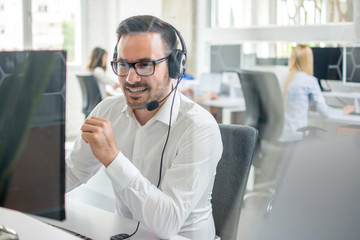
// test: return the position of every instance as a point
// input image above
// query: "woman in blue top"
(302, 91)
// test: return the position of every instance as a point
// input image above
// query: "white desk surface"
(342, 94)
(81, 218)
(342, 120)
(29, 228)
(225, 102)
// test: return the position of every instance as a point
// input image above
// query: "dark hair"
(147, 23)
(95, 59)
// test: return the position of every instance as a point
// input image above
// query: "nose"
(132, 76)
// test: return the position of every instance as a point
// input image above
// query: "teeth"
(136, 90)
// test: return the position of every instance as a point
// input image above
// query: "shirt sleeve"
(81, 165)
(318, 100)
(164, 210)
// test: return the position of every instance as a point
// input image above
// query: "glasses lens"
(142, 68)
(145, 68)
(122, 68)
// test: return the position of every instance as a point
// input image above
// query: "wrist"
(111, 158)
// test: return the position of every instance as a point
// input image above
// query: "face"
(140, 90)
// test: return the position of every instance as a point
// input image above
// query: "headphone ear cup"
(176, 62)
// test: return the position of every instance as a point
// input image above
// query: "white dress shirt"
(302, 94)
(181, 205)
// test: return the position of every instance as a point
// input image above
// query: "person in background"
(97, 66)
(190, 92)
(302, 92)
(199, 99)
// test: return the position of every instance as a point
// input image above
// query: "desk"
(81, 218)
(28, 228)
(349, 95)
(226, 105)
(340, 120)
(336, 125)
(342, 94)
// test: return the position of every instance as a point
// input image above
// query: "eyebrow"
(138, 60)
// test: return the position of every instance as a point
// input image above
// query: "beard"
(151, 93)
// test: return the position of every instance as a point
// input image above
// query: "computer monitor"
(328, 63)
(352, 65)
(32, 132)
(272, 61)
(210, 82)
(225, 57)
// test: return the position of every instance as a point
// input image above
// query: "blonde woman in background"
(97, 66)
(302, 91)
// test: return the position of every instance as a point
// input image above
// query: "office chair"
(264, 103)
(264, 107)
(265, 112)
(231, 176)
(91, 95)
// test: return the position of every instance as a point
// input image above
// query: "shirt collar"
(163, 115)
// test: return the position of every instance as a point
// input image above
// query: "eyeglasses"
(143, 68)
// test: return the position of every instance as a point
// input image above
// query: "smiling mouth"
(136, 92)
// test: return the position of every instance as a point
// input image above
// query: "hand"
(187, 91)
(348, 109)
(98, 133)
(211, 95)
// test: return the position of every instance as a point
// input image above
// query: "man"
(162, 162)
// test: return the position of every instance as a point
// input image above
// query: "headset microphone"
(150, 106)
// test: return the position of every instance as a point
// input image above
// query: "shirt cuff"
(121, 172)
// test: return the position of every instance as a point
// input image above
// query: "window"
(244, 13)
(54, 24)
(50, 25)
(11, 29)
(314, 11)
(270, 15)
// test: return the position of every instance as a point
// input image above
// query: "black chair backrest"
(90, 92)
(231, 177)
(264, 103)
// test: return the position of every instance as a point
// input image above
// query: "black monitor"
(32, 132)
(352, 65)
(328, 63)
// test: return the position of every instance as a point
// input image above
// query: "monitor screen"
(225, 57)
(210, 82)
(352, 65)
(272, 61)
(328, 63)
(32, 132)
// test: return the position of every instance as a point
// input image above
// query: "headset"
(176, 60)
(177, 68)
